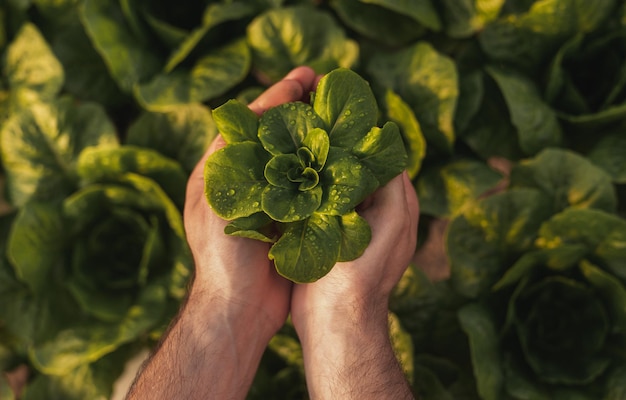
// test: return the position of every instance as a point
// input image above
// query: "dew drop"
(347, 113)
(230, 192)
(255, 204)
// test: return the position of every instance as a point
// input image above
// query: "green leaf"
(75, 340)
(345, 102)
(485, 236)
(467, 17)
(36, 244)
(278, 170)
(32, 71)
(105, 164)
(480, 328)
(214, 15)
(282, 129)
(568, 179)
(571, 351)
(393, 28)
(236, 122)
(234, 190)
(608, 154)
(318, 142)
(290, 204)
(355, 236)
(284, 38)
(382, 152)
(209, 77)
(483, 119)
(536, 123)
(129, 59)
(443, 190)
(528, 39)
(41, 144)
(611, 290)
(89, 79)
(427, 81)
(307, 249)
(402, 114)
(89, 381)
(422, 11)
(345, 181)
(256, 226)
(602, 233)
(182, 133)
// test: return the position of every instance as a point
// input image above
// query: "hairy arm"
(342, 319)
(212, 351)
(237, 300)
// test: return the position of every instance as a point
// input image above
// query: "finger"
(293, 87)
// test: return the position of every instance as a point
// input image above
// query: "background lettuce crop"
(512, 116)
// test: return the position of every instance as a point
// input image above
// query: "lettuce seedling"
(294, 176)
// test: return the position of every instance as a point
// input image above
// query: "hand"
(237, 300)
(236, 271)
(341, 319)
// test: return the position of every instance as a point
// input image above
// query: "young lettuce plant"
(294, 176)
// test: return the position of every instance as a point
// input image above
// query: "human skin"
(237, 301)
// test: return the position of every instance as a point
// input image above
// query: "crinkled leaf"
(214, 14)
(93, 381)
(427, 81)
(402, 114)
(284, 38)
(307, 249)
(37, 243)
(318, 142)
(290, 204)
(345, 181)
(355, 236)
(571, 352)
(182, 133)
(422, 11)
(465, 18)
(536, 123)
(282, 129)
(32, 70)
(568, 179)
(392, 27)
(443, 190)
(345, 102)
(484, 237)
(602, 233)
(483, 336)
(72, 340)
(382, 152)
(611, 290)
(210, 76)
(278, 170)
(528, 39)
(129, 59)
(102, 164)
(236, 122)
(488, 129)
(41, 144)
(233, 188)
(608, 154)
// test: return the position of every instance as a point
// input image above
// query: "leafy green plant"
(305, 167)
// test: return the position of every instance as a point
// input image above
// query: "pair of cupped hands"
(237, 301)
(238, 272)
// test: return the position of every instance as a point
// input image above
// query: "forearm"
(207, 354)
(352, 358)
